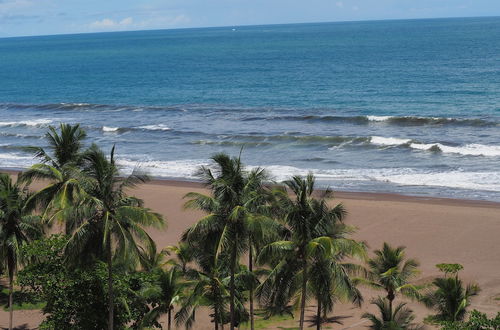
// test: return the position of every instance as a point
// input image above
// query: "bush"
(76, 298)
(477, 321)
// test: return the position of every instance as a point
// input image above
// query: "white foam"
(110, 129)
(158, 127)
(473, 149)
(487, 181)
(378, 118)
(34, 122)
(15, 160)
(388, 141)
(170, 169)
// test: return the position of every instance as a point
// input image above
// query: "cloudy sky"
(42, 17)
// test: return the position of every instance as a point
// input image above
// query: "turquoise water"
(409, 106)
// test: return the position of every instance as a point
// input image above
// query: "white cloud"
(339, 4)
(109, 24)
(128, 23)
(158, 22)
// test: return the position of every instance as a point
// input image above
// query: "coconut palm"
(389, 271)
(236, 196)
(163, 295)
(64, 146)
(312, 234)
(450, 298)
(209, 284)
(108, 223)
(59, 166)
(399, 319)
(17, 227)
(183, 255)
(331, 282)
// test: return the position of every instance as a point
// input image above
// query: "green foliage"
(76, 298)
(449, 268)
(449, 298)
(477, 321)
(399, 319)
(233, 215)
(23, 301)
(389, 271)
(308, 260)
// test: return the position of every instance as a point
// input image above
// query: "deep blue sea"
(410, 106)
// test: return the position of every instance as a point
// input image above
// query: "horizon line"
(250, 25)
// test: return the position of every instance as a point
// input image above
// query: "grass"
(261, 323)
(22, 301)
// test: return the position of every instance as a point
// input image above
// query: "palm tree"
(164, 295)
(208, 282)
(183, 255)
(232, 209)
(399, 319)
(59, 166)
(450, 298)
(389, 271)
(65, 145)
(108, 223)
(331, 282)
(312, 234)
(17, 227)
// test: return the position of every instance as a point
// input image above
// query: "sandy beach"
(433, 230)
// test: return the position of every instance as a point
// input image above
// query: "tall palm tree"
(64, 146)
(108, 223)
(331, 282)
(389, 271)
(59, 165)
(399, 319)
(163, 295)
(17, 227)
(184, 254)
(450, 298)
(236, 196)
(312, 233)
(209, 282)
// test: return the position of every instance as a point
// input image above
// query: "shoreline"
(338, 194)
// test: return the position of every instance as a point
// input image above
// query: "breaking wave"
(486, 181)
(473, 149)
(32, 123)
(394, 120)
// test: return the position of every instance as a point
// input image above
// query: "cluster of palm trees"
(85, 195)
(272, 246)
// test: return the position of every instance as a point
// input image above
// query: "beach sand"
(434, 230)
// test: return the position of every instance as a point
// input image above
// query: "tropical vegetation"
(261, 251)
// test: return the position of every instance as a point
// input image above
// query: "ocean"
(404, 106)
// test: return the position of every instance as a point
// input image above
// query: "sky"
(46, 17)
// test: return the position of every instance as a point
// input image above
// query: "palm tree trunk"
(216, 316)
(250, 268)
(318, 315)
(303, 297)
(169, 325)
(390, 297)
(232, 288)
(110, 284)
(11, 298)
